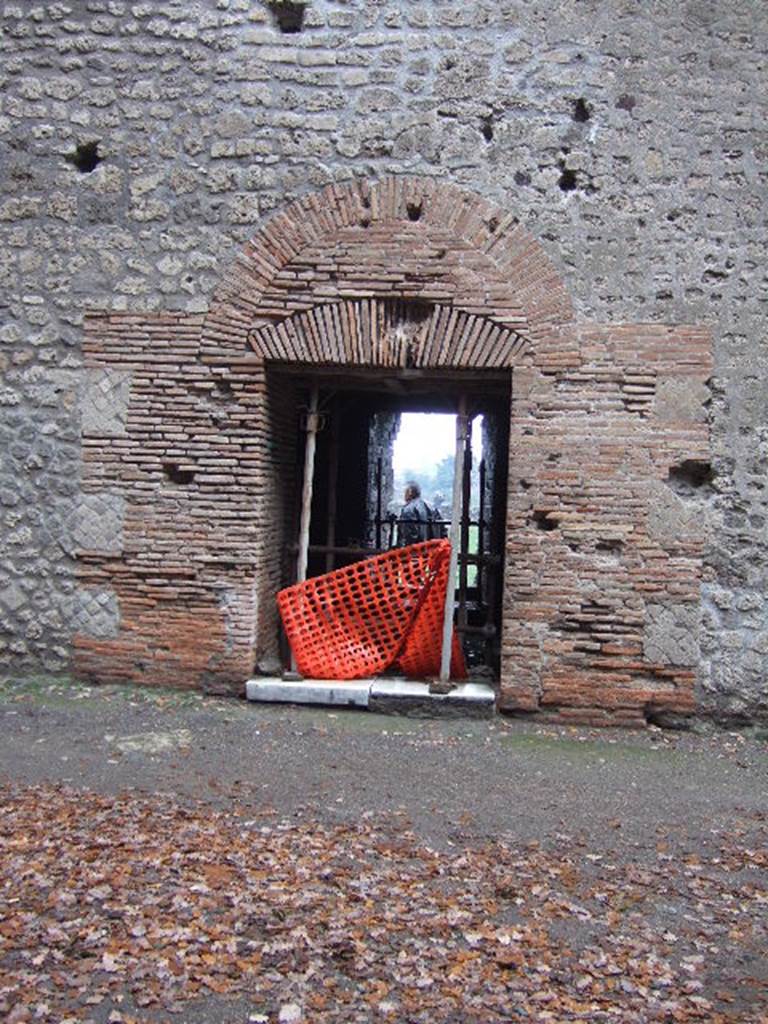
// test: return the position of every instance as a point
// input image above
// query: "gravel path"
(648, 848)
(455, 781)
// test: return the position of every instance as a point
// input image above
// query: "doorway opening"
(377, 430)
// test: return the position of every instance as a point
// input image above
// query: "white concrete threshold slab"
(354, 693)
(473, 693)
(409, 697)
(388, 696)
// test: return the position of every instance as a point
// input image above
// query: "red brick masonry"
(603, 557)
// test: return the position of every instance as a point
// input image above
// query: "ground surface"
(169, 857)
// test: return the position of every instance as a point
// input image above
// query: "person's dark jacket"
(415, 522)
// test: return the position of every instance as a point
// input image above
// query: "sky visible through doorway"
(424, 451)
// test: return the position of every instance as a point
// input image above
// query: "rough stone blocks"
(95, 613)
(104, 402)
(98, 523)
(671, 634)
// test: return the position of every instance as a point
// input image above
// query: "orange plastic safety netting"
(421, 653)
(359, 620)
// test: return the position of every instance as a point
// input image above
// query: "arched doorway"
(372, 357)
(405, 275)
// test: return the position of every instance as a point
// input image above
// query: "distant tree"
(442, 481)
(424, 478)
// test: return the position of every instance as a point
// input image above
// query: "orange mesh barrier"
(420, 656)
(355, 621)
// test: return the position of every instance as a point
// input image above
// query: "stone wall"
(140, 142)
(382, 434)
(603, 560)
(603, 573)
(176, 508)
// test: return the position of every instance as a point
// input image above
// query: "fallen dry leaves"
(124, 909)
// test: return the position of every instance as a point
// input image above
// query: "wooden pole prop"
(466, 501)
(333, 481)
(379, 478)
(450, 590)
(306, 491)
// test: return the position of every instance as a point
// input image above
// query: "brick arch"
(413, 238)
(386, 332)
(603, 556)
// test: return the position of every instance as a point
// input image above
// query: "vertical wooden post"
(481, 530)
(333, 480)
(466, 501)
(306, 491)
(450, 590)
(379, 482)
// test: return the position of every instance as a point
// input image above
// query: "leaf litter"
(130, 908)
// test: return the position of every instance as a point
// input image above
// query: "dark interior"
(352, 483)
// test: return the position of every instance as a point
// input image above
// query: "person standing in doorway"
(415, 524)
